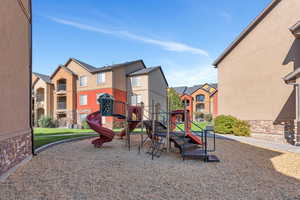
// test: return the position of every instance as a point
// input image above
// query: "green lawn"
(41, 141)
(198, 127)
(59, 131)
(45, 136)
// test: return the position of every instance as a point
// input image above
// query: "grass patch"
(59, 131)
(41, 141)
(198, 127)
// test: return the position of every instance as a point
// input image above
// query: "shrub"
(208, 117)
(224, 124)
(46, 122)
(85, 125)
(241, 128)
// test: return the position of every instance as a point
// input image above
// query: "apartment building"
(15, 67)
(77, 86)
(258, 73)
(42, 96)
(200, 99)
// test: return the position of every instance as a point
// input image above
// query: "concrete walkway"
(262, 143)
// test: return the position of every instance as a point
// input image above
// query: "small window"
(136, 99)
(186, 101)
(83, 99)
(83, 81)
(200, 98)
(200, 107)
(83, 117)
(136, 81)
(97, 97)
(101, 78)
(103, 120)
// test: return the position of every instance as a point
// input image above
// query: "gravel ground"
(80, 171)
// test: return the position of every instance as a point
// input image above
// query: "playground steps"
(199, 154)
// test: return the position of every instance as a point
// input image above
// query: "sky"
(184, 37)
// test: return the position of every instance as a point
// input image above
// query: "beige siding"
(14, 70)
(91, 78)
(47, 104)
(250, 77)
(158, 89)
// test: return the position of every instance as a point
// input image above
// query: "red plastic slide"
(106, 135)
(131, 127)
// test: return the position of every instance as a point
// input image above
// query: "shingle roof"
(214, 85)
(88, 67)
(248, 29)
(144, 71)
(63, 67)
(147, 71)
(180, 90)
(93, 69)
(191, 90)
(44, 77)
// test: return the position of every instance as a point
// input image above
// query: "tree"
(175, 101)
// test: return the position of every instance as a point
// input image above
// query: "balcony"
(61, 105)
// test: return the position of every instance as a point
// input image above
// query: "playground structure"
(161, 129)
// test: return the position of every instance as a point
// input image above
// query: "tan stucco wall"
(91, 78)
(158, 89)
(206, 102)
(47, 105)
(70, 93)
(250, 77)
(14, 70)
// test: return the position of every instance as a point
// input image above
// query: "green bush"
(46, 122)
(85, 125)
(241, 128)
(224, 124)
(208, 117)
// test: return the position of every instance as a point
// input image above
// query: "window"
(83, 81)
(83, 117)
(136, 99)
(97, 97)
(200, 98)
(200, 107)
(83, 100)
(186, 101)
(103, 120)
(101, 78)
(135, 81)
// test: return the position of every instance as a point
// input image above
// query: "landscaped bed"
(77, 170)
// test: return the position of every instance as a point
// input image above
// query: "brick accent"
(266, 126)
(13, 151)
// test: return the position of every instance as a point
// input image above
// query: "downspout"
(296, 87)
(30, 79)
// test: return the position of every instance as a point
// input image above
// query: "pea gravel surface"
(79, 171)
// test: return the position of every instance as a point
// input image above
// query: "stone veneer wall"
(13, 151)
(266, 126)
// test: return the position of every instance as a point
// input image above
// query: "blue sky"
(182, 36)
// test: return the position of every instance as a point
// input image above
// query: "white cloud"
(227, 16)
(167, 45)
(191, 75)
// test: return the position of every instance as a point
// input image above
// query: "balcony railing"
(61, 105)
(61, 87)
(40, 97)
